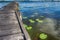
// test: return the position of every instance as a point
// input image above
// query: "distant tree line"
(31, 0)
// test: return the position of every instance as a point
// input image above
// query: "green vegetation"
(29, 28)
(40, 21)
(25, 25)
(43, 36)
(32, 25)
(32, 21)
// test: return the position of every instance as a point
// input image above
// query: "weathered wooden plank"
(8, 24)
(7, 15)
(18, 36)
(8, 19)
(7, 11)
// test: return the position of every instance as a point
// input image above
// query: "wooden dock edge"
(26, 35)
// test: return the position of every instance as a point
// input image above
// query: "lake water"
(40, 18)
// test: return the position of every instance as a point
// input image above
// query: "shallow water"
(41, 18)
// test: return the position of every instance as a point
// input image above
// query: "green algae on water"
(40, 21)
(32, 21)
(25, 25)
(29, 28)
(43, 36)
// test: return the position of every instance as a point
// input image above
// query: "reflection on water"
(42, 24)
(42, 20)
(37, 25)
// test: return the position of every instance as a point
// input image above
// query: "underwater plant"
(43, 36)
(29, 28)
(40, 21)
(31, 21)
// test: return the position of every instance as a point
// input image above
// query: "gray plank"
(8, 23)
(18, 36)
(9, 26)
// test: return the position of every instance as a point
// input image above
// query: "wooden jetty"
(11, 26)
